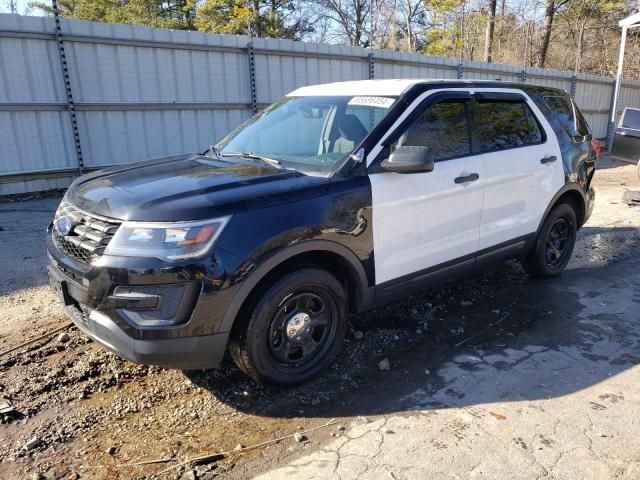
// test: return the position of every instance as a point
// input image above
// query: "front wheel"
(554, 245)
(295, 329)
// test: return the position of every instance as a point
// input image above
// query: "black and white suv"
(335, 199)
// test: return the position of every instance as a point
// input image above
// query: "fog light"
(156, 305)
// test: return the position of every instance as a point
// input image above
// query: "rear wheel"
(295, 329)
(554, 245)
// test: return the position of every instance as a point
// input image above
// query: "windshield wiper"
(252, 156)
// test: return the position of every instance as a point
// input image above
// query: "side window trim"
(499, 97)
(504, 97)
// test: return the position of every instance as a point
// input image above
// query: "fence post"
(67, 84)
(574, 86)
(611, 126)
(460, 70)
(371, 66)
(252, 78)
(523, 75)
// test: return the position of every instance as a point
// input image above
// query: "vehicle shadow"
(497, 336)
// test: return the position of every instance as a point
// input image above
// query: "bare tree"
(349, 16)
(550, 10)
(488, 39)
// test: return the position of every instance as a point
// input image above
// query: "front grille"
(89, 235)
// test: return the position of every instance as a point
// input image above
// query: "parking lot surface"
(496, 376)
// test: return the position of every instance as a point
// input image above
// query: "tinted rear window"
(631, 119)
(502, 125)
(569, 115)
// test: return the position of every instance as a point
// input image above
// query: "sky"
(21, 5)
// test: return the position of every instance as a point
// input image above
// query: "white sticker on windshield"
(381, 102)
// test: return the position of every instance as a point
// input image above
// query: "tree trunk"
(546, 32)
(488, 40)
(408, 22)
(257, 24)
(579, 48)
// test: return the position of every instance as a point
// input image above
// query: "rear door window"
(570, 117)
(501, 125)
(631, 119)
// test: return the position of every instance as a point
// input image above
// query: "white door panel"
(519, 188)
(424, 219)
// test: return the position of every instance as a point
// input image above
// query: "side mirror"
(409, 160)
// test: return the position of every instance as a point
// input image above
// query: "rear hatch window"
(570, 117)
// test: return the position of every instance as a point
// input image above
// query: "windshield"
(310, 134)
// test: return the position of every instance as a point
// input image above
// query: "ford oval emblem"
(64, 225)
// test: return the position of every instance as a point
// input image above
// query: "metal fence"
(93, 94)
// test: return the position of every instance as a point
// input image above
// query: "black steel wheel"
(554, 244)
(295, 329)
(558, 242)
(303, 327)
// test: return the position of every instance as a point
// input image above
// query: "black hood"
(189, 187)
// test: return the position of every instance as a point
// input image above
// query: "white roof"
(357, 87)
(391, 87)
(631, 21)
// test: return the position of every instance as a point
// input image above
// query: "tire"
(554, 245)
(294, 330)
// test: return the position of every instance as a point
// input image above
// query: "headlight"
(169, 241)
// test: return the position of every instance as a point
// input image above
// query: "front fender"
(364, 292)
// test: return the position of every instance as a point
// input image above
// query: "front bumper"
(101, 300)
(186, 353)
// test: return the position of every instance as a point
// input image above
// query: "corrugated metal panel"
(36, 185)
(30, 73)
(127, 136)
(143, 93)
(32, 141)
(284, 65)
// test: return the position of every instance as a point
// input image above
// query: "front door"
(424, 221)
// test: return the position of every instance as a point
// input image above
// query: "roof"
(392, 87)
(357, 87)
(631, 21)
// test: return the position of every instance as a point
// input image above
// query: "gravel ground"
(82, 412)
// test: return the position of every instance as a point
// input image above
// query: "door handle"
(548, 159)
(472, 177)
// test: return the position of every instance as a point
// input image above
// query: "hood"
(189, 187)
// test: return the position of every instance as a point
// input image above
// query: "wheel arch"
(331, 256)
(570, 193)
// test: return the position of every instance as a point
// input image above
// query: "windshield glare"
(310, 134)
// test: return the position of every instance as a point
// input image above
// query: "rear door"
(626, 141)
(523, 165)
